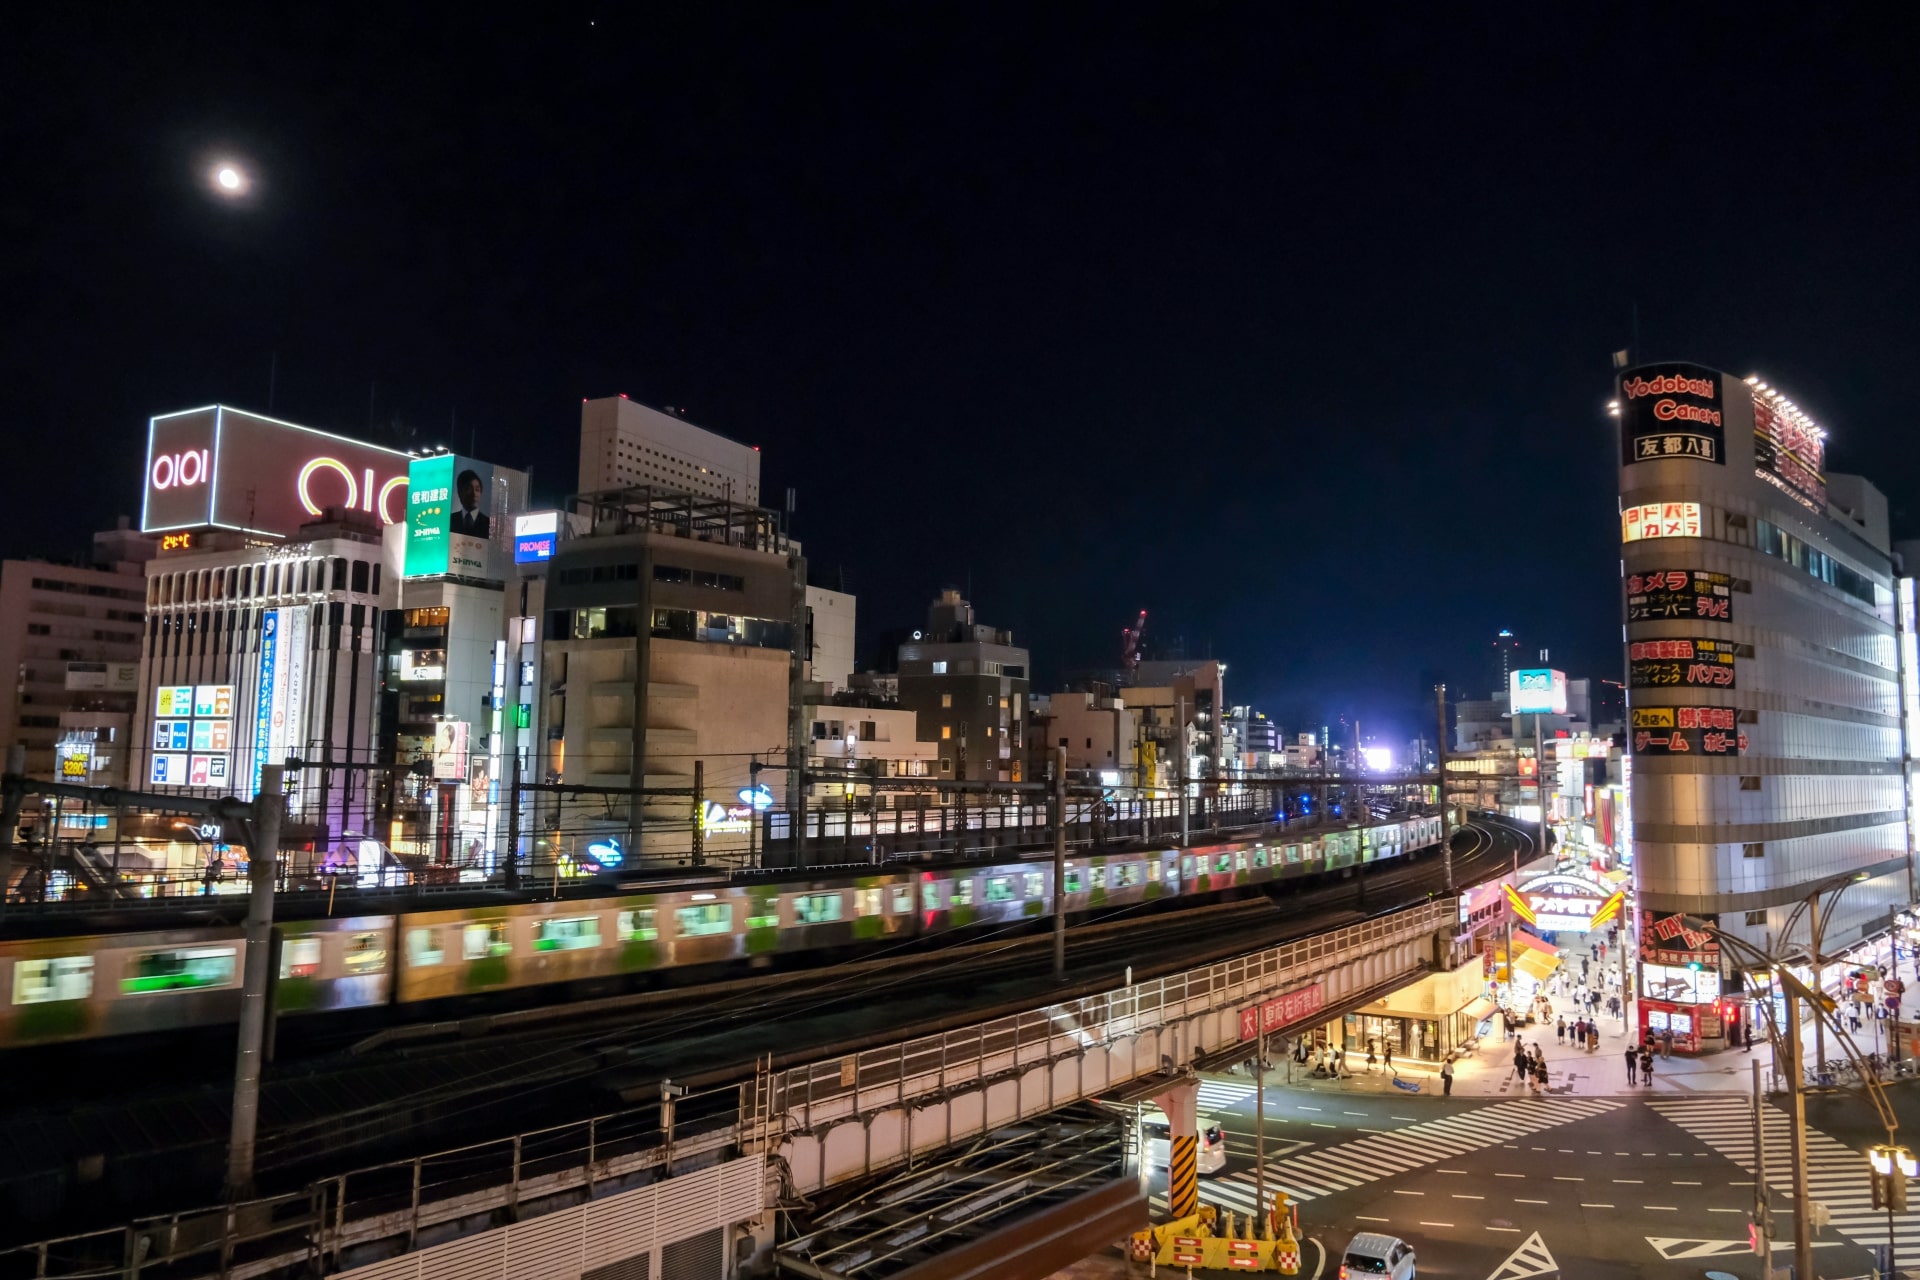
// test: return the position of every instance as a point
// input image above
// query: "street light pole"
(1814, 930)
(1440, 763)
(1796, 1090)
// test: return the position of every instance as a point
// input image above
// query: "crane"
(1130, 646)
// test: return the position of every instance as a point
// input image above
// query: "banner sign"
(1679, 593)
(1679, 731)
(1660, 664)
(1281, 1011)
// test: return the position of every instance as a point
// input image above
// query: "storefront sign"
(1660, 520)
(1695, 663)
(1671, 412)
(1679, 593)
(1669, 940)
(1564, 902)
(1679, 731)
(1678, 984)
(1282, 1011)
(1789, 450)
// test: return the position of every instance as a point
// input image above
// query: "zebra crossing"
(1219, 1095)
(1330, 1170)
(1837, 1175)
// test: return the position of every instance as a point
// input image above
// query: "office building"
(1765, 722)
(70, 643)
(830, 626)
(968, 684)
(624, 444)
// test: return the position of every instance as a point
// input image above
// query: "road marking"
(1436, 1224)
(1461, 1172)
(1629, 1181)
(1585, 1205)
(1686, 1184)
(1623, 1153)
(1353, 1113)
(1515, 1230)
(1304, 1107)
(1320, 1249)
(1364, 1129)
(1361, 1217)
(1458, 1196)
(1662, 1208)
(1320, 1124)
(1517, 1200)
(1530, 1259)
(1729, 1211)
(1409, 1193)
(1593, 1153)
(1509, 1175)
(1400, 1118)
(1566, 1151)
(1562, 1177)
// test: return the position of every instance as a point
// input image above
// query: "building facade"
(1767, 750)
(625, 444)
(968, 685)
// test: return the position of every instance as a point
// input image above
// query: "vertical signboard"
(264, 693)
(1671, 412)
(1789, 450)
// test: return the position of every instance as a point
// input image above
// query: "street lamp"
(1892, 1166)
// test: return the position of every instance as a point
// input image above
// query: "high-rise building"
(1506, 658)
(624, 444)
(968, 684)
(1765, 719)
(70, 647)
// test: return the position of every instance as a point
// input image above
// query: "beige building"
(1099, 733)
(863, 739)
(624, 444)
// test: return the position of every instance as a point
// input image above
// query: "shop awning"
(1535, 965)
(1616, 876)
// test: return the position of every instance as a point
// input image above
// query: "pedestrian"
(1520, 1059)
(1746, 1029)
(1386, 1052)
(1540, 1077)
(1666, 1043)
(1370, 1057)
(1633, 1063)
(1646, 1066)
(1560, 1031)
(1340, 1061)
(1446, 1078)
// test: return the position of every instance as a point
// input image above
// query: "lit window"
(706, 920)
(299, 958)
(816, 908)
(1000, 889)
(637, 926)
(763, 911)
(902, 897)
(486, 940)
(187, 969)
(366, 953)
(1033, 884)
(424, 947)
(1073, 882)
(946, 699)
(567, 935)
(44, 981)
(940, 668)
(946, 731)
(867, 902)
(963, 893)
(929, 895)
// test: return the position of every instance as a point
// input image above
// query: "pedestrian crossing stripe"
(1837, 1175)
(1330, 1170)
(1530, 1259)
(1218, 1095)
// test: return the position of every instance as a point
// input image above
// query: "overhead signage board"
(221, 467)
(1680, 731)
(1672, 412)
(1662, 594)
(111, 677)
(1537, 691)
(1694, 663)
(1660, 520)
(536, 535)
(1789, 451)
(197, 720)
(450, 513)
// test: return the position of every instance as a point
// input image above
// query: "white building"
(830, 617)
(625, 444)
(863, 741)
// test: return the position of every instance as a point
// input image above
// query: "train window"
(424, 948)
(1097, 877)
(902, 897)
(929, 895)
(1073, 882)
(1293, 853)
(1126, 875)
(484, 940)
(1240, 861)
(1260, 856)
(189, 968)
(866, 902)
(816, 908)
(567, 935)
(637, 925)
(763, 911)
(1153, 869)
(366, 953)
(709, 918)
(299, 957)
(1000, 889)
(1186, 867)
(1035, 885)
(963, 892)
(44, 981)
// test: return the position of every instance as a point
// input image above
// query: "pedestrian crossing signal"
(1753, 1237)
(1890, 1191)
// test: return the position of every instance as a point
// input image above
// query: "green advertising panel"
(430, 500)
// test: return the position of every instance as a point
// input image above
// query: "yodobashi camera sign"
(1538, 692)
(221, 467)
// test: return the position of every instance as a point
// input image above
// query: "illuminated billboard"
(1537, 691)
(1680, 731)
(192, 744)
(1679, 593)
(1672, 412)
(1694, 663)
(1660, 520)
(451, 505)
(1789, 450)
(535, 536)
(222, 467)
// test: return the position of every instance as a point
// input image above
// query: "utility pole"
(699, 813)
(512, 877)
(10, 819)
(1260, 1118)
(1440, 762)
(1540, 782)
(263, 852)
(1059, 864)
(1762, 1202)
(1802, 1205)
(1814, 930)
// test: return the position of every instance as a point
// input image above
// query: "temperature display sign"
(1662, 664)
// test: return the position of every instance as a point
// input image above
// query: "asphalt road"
(1599, 1186)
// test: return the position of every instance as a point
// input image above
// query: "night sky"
(1291, 328)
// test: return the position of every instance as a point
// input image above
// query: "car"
(1209, 1159)
(1372, 1253)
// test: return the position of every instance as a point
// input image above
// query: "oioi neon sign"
(362, 495)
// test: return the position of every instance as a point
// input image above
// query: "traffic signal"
(1890, 1191)
(1753, 1237)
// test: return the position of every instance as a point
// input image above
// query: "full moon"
(230, 180)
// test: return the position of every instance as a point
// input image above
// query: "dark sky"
(1290, 327)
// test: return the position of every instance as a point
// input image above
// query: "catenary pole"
(263, 850)
(1059, 864)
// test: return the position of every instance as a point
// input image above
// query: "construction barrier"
(1199, 1241)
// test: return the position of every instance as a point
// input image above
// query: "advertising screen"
(535, 535)
(1789, 450)
(1680, 731)
(1679, 593)
(196, 719)
(1660, 664)
(1537, 691)
(1660, 520)
(450, 750)
(220, 466)
(450, 514)
(1671, 411)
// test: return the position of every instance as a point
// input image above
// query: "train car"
(81, 988)
(335, 964)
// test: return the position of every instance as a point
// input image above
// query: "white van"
(1212, 1155)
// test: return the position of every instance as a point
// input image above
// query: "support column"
(1179, 1103)
(263, 850)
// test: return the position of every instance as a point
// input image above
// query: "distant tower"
(1506, 659)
